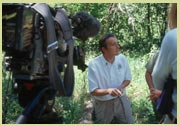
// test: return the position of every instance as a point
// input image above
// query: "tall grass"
(71, 108)
(138, 92)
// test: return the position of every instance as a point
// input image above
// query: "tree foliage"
(138, 26)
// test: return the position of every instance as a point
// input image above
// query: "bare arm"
(149, 79)
(110, 91)
(154, 93)
(124, 84)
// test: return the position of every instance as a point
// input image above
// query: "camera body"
(39, 50)
(17, 40)
(25, 53)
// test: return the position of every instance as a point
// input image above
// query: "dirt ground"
(87, 114)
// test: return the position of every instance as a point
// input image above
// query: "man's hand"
(154, 94)
(114, 92)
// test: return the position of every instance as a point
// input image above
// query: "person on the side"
(166, 64)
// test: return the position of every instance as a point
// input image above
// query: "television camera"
(38, 42)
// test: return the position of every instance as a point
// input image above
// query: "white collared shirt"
(103, 75)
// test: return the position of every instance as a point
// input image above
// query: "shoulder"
(172, 32)
(121, 57)
(95, 61)
(170, 38)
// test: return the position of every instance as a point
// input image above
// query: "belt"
(172, 118)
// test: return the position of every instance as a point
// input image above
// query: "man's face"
(112, 46)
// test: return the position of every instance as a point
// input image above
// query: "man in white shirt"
(108, 76)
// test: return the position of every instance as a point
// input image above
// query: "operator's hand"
(114, 92)
(154, 94)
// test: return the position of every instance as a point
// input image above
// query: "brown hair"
(102, 41)
(172, 16)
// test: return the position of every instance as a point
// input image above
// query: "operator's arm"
(149, 68)
(149, 79)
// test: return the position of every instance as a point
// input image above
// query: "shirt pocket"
(118, 75)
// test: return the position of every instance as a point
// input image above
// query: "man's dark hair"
(102, 41)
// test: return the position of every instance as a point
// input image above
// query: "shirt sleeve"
(150, 64)
(128, 75)
(92, 78)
